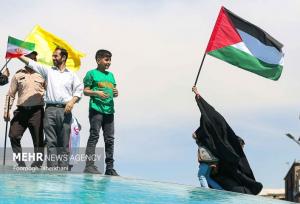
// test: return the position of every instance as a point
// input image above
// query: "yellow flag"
(45, 44)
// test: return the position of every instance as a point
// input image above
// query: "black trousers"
(31, 118)
(106, 122)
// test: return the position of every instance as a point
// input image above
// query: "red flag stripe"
(224, 33)
(12, 55)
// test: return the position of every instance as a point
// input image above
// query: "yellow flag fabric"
(45, 44)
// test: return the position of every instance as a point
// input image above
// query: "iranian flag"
(12, 48)
(245, 45)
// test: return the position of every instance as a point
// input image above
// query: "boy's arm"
(116, 92)
(88, 92)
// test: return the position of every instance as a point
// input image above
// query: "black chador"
(234, 172)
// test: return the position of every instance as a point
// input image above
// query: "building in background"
(292, 179)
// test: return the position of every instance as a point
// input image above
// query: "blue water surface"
(55, 187)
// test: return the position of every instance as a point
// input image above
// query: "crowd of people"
(46, 97)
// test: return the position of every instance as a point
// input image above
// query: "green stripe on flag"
(20, 43)
(248, 62)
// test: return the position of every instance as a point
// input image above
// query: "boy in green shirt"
(100, 85)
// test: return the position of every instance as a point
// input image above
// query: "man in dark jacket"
(4, 77)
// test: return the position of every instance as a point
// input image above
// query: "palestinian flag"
(13, 44)
(245, 45)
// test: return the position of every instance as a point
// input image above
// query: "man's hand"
(6, 72)
(101, 94)
(6, 117)
(69, 106)
(116, 92)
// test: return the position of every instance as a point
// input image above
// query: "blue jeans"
(204, 177)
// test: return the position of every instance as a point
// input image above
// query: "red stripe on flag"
(224, 33)
(12, 55)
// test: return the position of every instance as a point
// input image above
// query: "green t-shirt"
(101, 81)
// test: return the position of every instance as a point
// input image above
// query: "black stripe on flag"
(253, 30)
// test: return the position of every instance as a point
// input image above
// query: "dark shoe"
(91, 169)
(70, 166)
(37, 164)
(21, 164)
(111, 172)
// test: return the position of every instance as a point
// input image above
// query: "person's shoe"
(21, 164)
(91, 169)
(37, 164)
(111, 172)
(70, 166)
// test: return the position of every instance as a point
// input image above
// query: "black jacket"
(3, 79)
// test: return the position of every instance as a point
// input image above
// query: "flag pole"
(200, 69)
(7, 61)
(7, 114)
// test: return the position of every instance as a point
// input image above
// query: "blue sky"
(157, 48)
